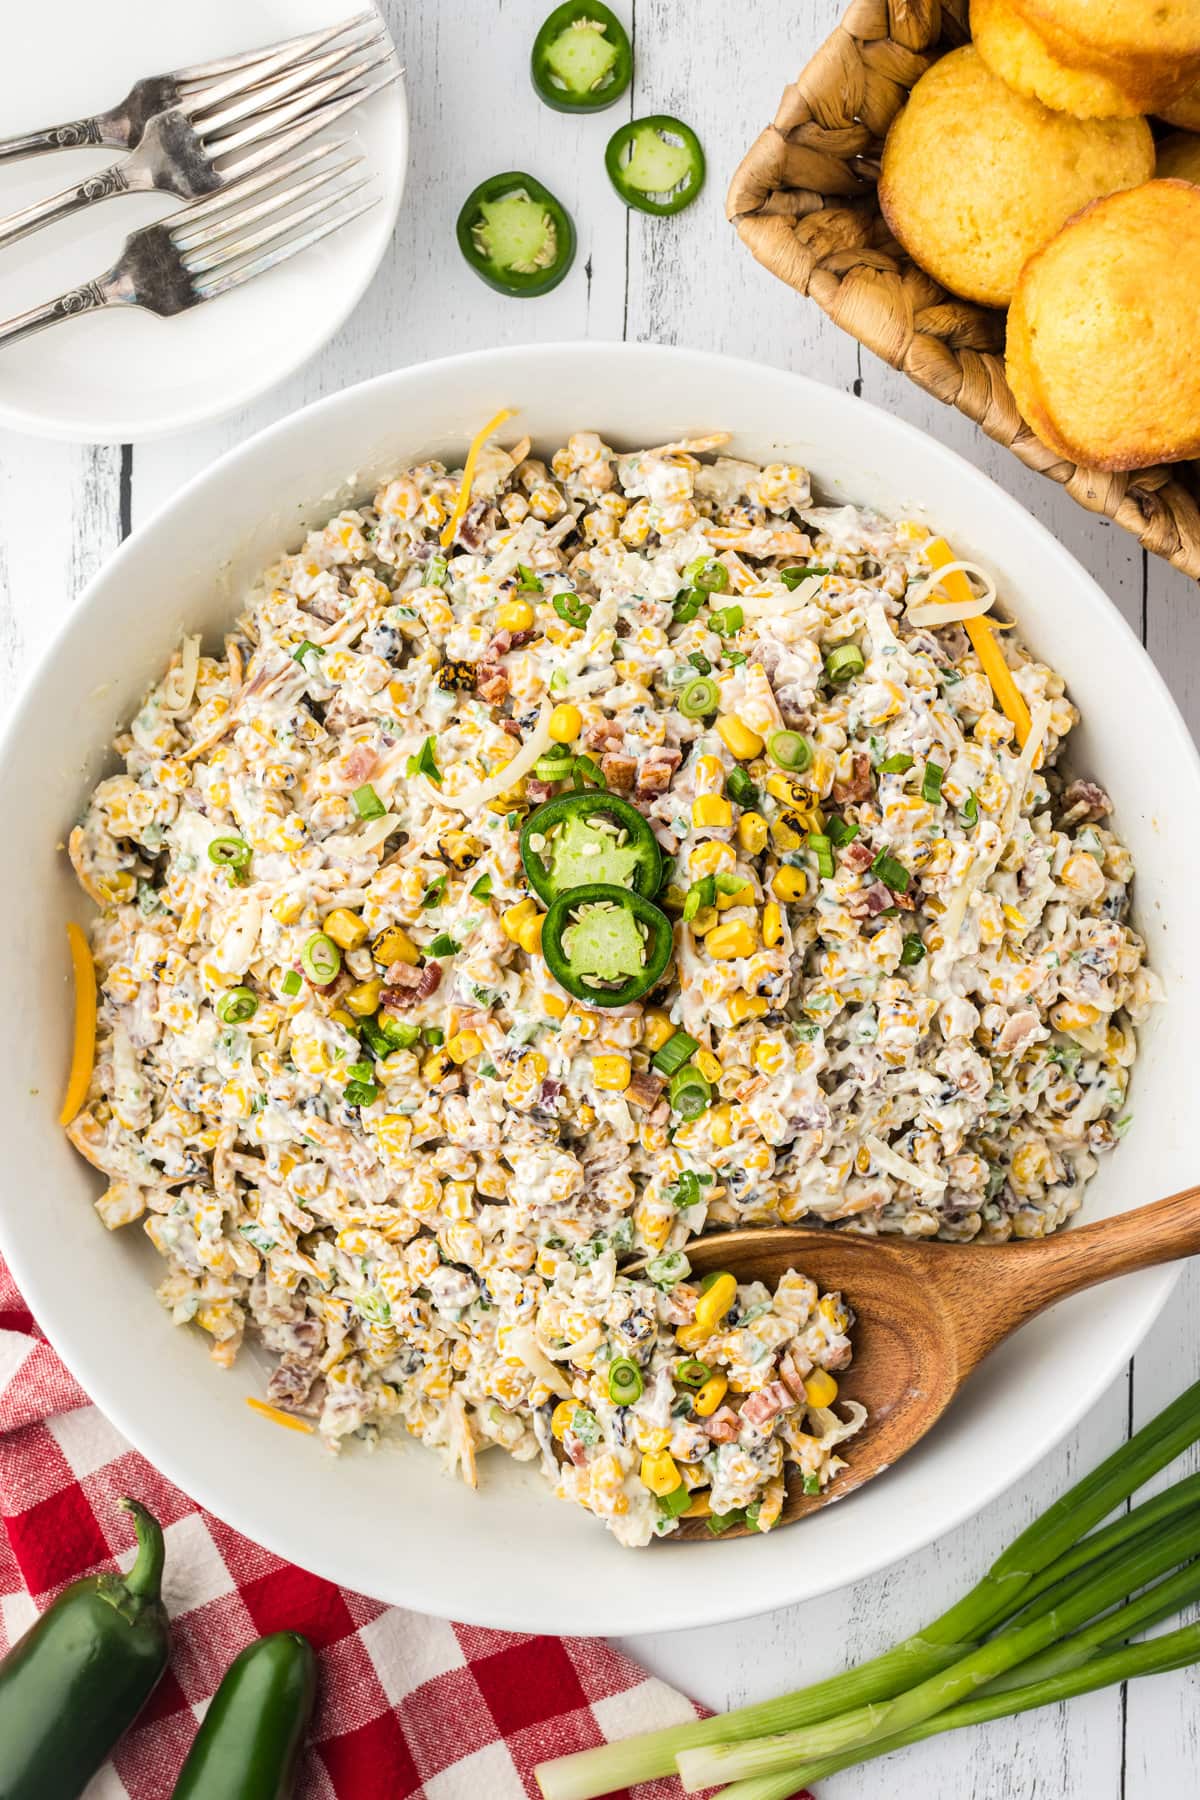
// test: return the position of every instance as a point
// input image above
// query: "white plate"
(392, 1525)
(121, 376)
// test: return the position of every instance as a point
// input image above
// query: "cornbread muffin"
(1101, 332)
(1149, 48)
(1012, 49)
(1179, 157)
(975, 177)
(1184, 112)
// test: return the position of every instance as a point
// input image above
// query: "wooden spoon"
(928, 1313)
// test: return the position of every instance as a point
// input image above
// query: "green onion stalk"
(1053, 1549)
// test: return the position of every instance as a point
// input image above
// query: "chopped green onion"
(625, 1384)
(722, 1522)
(572, 610)
(739, 787)
(692, 1374)
(444, 945)
(811, 1485)
(899, 764)
(844, 662)
(791, 578)
(668, 1269)
(709, 575)
(305, 648)
(687, 604)
(425, 762)
(685, 1190)
(366, 802)
(913, 951)
(556, 765)
(931, 783)
(528, 583)
(700, 662)
(360, 1093)
(676, 1502)
(376, 1042)
(433, 1035)
(791, 750)
(822, 849)
(701, 893)
(840, 833)
(482, 889)
(893, 874)
(736, 657)
(229, 852)
(585, 1425)
(689, 1093)
(677, 1050)
(291, 984)
(436, 570)
(435, 893)
(399, 1033)
(321, 959)
(729, 885)
(727, 621)
(699, 697)
(969, 814)
(239, 1004)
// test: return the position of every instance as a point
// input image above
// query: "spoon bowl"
(926, 1314)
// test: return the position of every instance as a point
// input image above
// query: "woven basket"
(804, 202)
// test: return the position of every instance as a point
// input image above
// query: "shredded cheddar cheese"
(464, 493)
(279, 1418)
(983, 642)
(83, 1049)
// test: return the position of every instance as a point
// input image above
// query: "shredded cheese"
(921, 610)
(524, 1346)
(450, 528)
(981, 868)
(83, 1049)
(897, 1165)
(180, 682)
(374, 834)
(278, 1418)
(980, 633)
(535, 745)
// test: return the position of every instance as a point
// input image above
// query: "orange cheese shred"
(279, 1418)
(83, 1048)
(981, 633)
(464, 492)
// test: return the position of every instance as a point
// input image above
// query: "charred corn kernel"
(789, 885)
(514, 615)
(690, 1337)
(730, 940)
(515, 917)
(700, 1508)
(287, 908)
(560, 1418)
(752, 833)
(743, 897)
(707, 858)
(738, 738)
(746, 1006)
(721, 1125)
(656, 1029)
(460, 849)
(653, 1437)
(712, 1306)
(708, 1065)
(711, 810)
(566, 723)
(820, 1389)
(611, 1072)
(660, 1472)
(346, 1020)
(434, 1066)
(785, 837)
(463, 1045)
(345, 928)
(707, 1399)
(395, 945)
(772, 925)
(554, 1006)
(364, 999)
(529, 933)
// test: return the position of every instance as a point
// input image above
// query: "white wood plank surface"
(720, 64)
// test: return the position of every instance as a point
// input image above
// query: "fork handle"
(67, 306)
(101, 186)
(79, 135)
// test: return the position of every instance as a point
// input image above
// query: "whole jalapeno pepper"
(252, 1738)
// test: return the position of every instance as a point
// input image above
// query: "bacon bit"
(279, 1418)
(794, 1368)
(491, 683)
(724, 1425)
(655, 771)
(407, 987)
(618, 771)
(645, 1088)
(858, 856)
(604, 734)
(857, 784)
(767, 1403)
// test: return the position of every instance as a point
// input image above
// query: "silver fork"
(188, 89)
(216, 244)
(231, 134)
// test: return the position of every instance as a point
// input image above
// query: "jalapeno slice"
(605, 944)
(581, 840)
(582, 60)
(516, 236)
(656, 164)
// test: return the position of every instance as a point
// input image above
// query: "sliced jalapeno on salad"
(516, 236)
(578, 840)
(582, 60)
(605, 944)
(656, 164)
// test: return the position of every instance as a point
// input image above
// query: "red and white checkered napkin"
(410, 1708)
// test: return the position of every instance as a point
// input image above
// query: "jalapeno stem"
(144, 1579)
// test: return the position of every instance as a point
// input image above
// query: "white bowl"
(392, 1525)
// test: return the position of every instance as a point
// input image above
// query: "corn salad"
(340, 1089)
